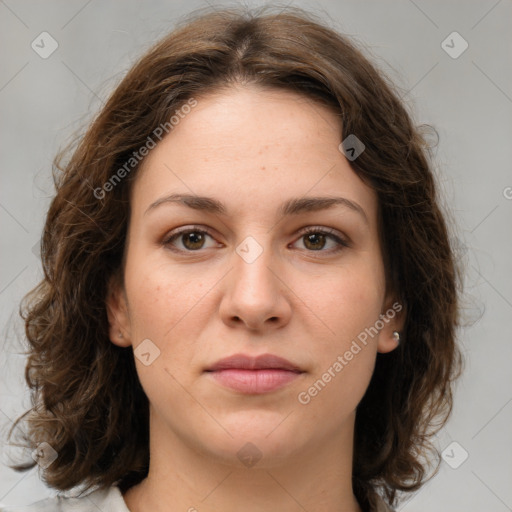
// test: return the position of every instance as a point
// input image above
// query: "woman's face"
(206, 279)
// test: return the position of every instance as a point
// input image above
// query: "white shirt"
(105, 500)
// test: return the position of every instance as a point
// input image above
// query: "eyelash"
(330, 233)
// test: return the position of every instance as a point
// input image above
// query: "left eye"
(315, 239)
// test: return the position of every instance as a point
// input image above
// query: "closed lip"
(262, 362)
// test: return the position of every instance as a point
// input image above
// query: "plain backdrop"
(468, 99)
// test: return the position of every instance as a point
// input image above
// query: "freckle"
(263, 168)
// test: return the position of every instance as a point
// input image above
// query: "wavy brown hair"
(87, 401)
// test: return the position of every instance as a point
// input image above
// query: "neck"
(183, 478)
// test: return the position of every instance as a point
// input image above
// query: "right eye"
(191, 239)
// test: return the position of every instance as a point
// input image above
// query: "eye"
(315, 239)
(191, 238)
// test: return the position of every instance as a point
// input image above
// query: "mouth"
(254, 375)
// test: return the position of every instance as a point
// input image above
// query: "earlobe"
(117, 337)
(391, 335)
(388, 344)
(117, 313)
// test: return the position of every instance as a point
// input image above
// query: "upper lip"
(245, 362)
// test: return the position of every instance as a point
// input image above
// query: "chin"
(257, 442)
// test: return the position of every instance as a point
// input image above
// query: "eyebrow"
(294, 206)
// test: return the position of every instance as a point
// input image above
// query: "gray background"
(467, 99)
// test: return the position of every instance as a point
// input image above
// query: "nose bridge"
(253, 265)
(255, 293)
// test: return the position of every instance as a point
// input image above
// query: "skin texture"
(252, 149)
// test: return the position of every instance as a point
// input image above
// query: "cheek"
(165, 307)
(348, 303)
(161, 297)
(344, 362)
(171, 306)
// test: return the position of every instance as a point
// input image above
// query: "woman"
(250, 298)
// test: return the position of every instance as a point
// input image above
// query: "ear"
(393, 317)
(117, 313)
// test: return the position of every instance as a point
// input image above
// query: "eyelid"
(325, 230)
(341, 239)
(175, 233)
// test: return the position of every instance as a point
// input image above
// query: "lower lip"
(254, 381)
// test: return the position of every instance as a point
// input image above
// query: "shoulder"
(107, 500)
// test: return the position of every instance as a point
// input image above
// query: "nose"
(256, 295)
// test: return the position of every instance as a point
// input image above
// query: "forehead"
(252, 146)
